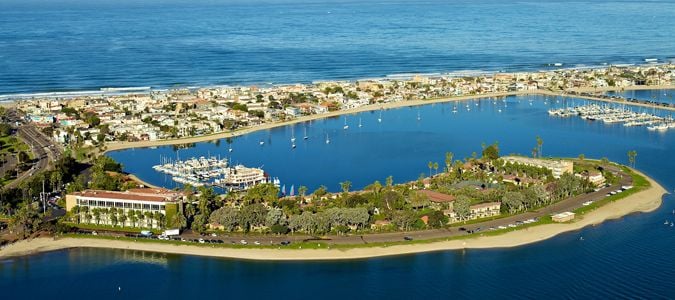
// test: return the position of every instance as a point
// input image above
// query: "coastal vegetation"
(513, 187)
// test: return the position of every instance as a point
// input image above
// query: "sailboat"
(380, 118)
(418, 116)
(346, 126)
(327, 139)
(292, 192)
(262, 143)
(454, 109)
(306, 136)
(292, 135)
(230, 149)
(293, 145)
(360, 125)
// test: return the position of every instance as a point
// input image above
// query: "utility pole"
(42, 196)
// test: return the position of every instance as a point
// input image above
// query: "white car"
(201, 241)
(243, 242)
(256, 242)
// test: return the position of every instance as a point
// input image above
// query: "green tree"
(631, 157)
(389, 181)
(26, 220)
(540, 143)
(437, 219)
(461, 207)
(345, 185)
(448, 161)
(491, 152)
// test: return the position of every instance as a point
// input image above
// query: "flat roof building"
(141, 201)
(557, 167)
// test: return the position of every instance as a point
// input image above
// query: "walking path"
(643, 201)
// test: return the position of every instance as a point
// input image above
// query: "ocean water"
(66, 45)
(626, 258)
(70, 45)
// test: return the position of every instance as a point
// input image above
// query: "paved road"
(562, 206)
(43, 149)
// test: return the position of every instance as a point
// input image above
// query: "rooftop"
(154, 195)
(438, 197)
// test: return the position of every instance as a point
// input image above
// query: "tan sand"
(125, 145)
(644, 201)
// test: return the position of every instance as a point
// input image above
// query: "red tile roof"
(438, 197)
(155, 195)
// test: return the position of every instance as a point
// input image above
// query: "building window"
(155, 207)
(137, 206)
(146, 206)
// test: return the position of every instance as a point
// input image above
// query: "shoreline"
(116, 146)
(643, 201)
(371, 107)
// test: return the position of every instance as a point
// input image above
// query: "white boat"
(360, 125)
(651, 60)
(306, 136)
(327, 139)
(346, 126)
(380, 118)
(262, 143)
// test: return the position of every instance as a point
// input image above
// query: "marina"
(613, 114)
(213, 171)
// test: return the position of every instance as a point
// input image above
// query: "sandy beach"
(141, 144)
(643, 201)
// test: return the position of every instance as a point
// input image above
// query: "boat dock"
(608, 114)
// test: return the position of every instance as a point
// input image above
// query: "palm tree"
(430, 165)
(158, 216)
(448, 161)
(540, 142)
(97, 215)
(76, 213)
(123, 219)
(436, 168)
(132, 217)
(631, 157)
(346, 185)
(389, 181)
(148, 219)
(140, 217)
(302, 190)
(113, 219)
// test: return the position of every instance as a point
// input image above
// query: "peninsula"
(645, 200)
